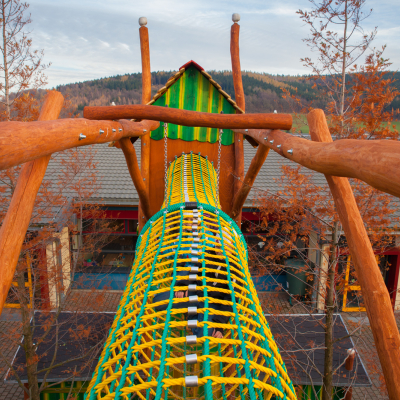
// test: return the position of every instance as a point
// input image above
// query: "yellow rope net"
(189, 324)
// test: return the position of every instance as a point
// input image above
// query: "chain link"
(165, 162)
(221, 131)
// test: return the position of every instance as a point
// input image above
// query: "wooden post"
(251, 174)
(323, 277)
(16, 221)
(349, 365)
(133, 166)
(374, 291)
(146, 97)
(240, 101)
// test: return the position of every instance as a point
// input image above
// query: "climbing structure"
(189, 324)
(190, 273)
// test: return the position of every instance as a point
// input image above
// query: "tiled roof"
(116, 185)
(268, 178)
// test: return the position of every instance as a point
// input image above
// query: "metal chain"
(165, 162)
(219, 159)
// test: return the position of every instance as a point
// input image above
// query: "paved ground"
(357, 323)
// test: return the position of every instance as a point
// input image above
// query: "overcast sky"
(88, 39)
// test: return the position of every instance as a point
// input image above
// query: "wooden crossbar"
(375, 162)
(25, 141)
(191, 118)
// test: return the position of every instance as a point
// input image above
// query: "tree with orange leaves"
(356, 93)
(21, 67)
(46, 269)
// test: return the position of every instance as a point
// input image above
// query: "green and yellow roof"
(192, 88)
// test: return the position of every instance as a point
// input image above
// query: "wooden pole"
(251, 174)
(21, 142)
(240, 101)
(146, 97)
(134, 170)
(375, 162)
(374, 291)
(191, 118)
(349, 365)
(16, 221)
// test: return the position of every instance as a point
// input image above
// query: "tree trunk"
(343, 88)
(29, 346)
(6, 77)
(330, 307)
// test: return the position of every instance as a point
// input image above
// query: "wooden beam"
(146, 70)
(251, 174)
(374, 291)
(25, 141)
(240, 101)
(16, 221)
(191, 118)
(134, 170)
(375, 162)
(146, 97)
(236, 71)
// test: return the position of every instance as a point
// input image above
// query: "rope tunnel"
(190, 324)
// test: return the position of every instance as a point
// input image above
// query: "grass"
(300, 123)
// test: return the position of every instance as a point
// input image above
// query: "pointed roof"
(192, 88)
(185, 67)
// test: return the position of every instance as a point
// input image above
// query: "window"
(132, 225)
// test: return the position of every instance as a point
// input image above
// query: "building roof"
(300, 339)
(80, 337)
(116, 187)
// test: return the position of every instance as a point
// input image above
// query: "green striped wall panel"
(194, 92)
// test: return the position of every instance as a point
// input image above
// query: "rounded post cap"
(235, 17)
(142, 21)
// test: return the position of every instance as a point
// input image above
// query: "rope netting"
(189, 324)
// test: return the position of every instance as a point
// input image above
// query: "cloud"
(124, 46)
(391, 32)
(83, 39)
(105, 44)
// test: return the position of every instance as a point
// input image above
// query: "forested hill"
(264, 92)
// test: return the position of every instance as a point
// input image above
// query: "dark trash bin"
(296, 277)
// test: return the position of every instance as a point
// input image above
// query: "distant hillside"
(263, 91)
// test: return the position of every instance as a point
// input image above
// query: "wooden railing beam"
(21, 142)
(375, 162)
(16, 221)
(251, 174)
(374, 291)
(190, 118)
